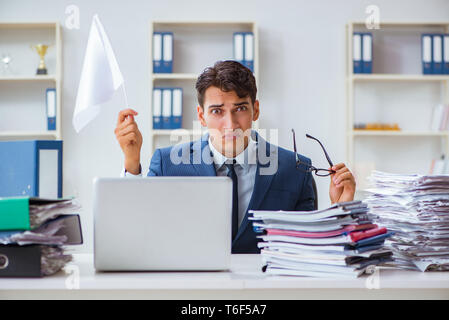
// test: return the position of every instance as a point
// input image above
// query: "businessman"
(265, 176)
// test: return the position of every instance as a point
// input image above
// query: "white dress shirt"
(245, 168)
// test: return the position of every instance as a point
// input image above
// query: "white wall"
(302, 75)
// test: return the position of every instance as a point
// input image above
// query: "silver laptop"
(162, 223)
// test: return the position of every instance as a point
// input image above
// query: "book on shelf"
(440, 118)
(439, 166)
(435, 53)
(362, 52)
(163, 52)
(167, 108)
(243, 47)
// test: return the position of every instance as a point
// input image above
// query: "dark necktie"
(235, 198)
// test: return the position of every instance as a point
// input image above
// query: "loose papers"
(416, 208)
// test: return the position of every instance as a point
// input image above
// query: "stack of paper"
(416, 208)
(36, 226)
(337, 241)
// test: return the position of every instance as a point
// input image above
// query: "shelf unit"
(401, 69)
(191, 39)
(16, 39)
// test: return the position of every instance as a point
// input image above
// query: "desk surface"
(244, 280)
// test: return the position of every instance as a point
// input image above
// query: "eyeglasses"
(310, 168)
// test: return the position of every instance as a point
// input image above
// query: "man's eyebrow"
(241, 103)
(215, 106)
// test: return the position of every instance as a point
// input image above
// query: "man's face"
(228, 119)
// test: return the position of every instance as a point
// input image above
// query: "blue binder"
(166, 108)
(157, 52)
(157, 108)
(367, 53)
(357, 52)
(239, 47)
(446, 54)
(248, 50)
(427, 53)
(167, 52)
(31, 168)
(50, 95)
(176, 118)
(437, 43)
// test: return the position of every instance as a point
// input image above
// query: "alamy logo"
(373, 20)
(73, 19)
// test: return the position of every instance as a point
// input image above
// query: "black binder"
(20, 261)
(25, 261)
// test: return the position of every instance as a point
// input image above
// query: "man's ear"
(256, 110)
(200, 113)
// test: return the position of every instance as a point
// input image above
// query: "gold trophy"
(41, 50)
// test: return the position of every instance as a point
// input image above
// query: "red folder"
(356, 236)
(304, 234)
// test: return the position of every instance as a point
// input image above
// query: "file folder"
(177, 109)
(426, 53)
(249, 51)
(437, 54)
(71, 229)
(15, 213)
(167, 52)
(166, 108)
(446, 54)
(157, 108)
(239, 47)
(367, 56)
(157, 52)
(31, 168)
(357, 52)
(51, 108)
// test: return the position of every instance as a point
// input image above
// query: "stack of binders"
(167, 108)
(435, 53)
(362, 52)
(33, 232)
(340, 241)
(162, 52)
(415, 207)
(244, 49)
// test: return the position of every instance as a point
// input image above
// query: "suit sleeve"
(155, 164)
(306, 200)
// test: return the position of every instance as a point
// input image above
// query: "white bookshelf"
(197, 45)
(396, 92)
(23, 103)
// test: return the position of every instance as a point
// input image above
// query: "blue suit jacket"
(289, 188)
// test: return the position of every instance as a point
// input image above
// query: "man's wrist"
(133, 167)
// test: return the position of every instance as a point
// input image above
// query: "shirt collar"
(245, 158)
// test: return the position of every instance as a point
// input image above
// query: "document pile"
(338, 241)
(416, 208)
(33, 232)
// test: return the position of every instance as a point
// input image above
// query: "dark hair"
(227, 76)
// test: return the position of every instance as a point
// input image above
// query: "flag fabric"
(100, 76)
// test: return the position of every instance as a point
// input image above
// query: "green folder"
(15, 213)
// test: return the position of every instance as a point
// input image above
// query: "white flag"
(100, 76)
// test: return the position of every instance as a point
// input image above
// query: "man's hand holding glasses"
(342, 186)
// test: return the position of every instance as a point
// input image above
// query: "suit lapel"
(262, 181)
(201, 158)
